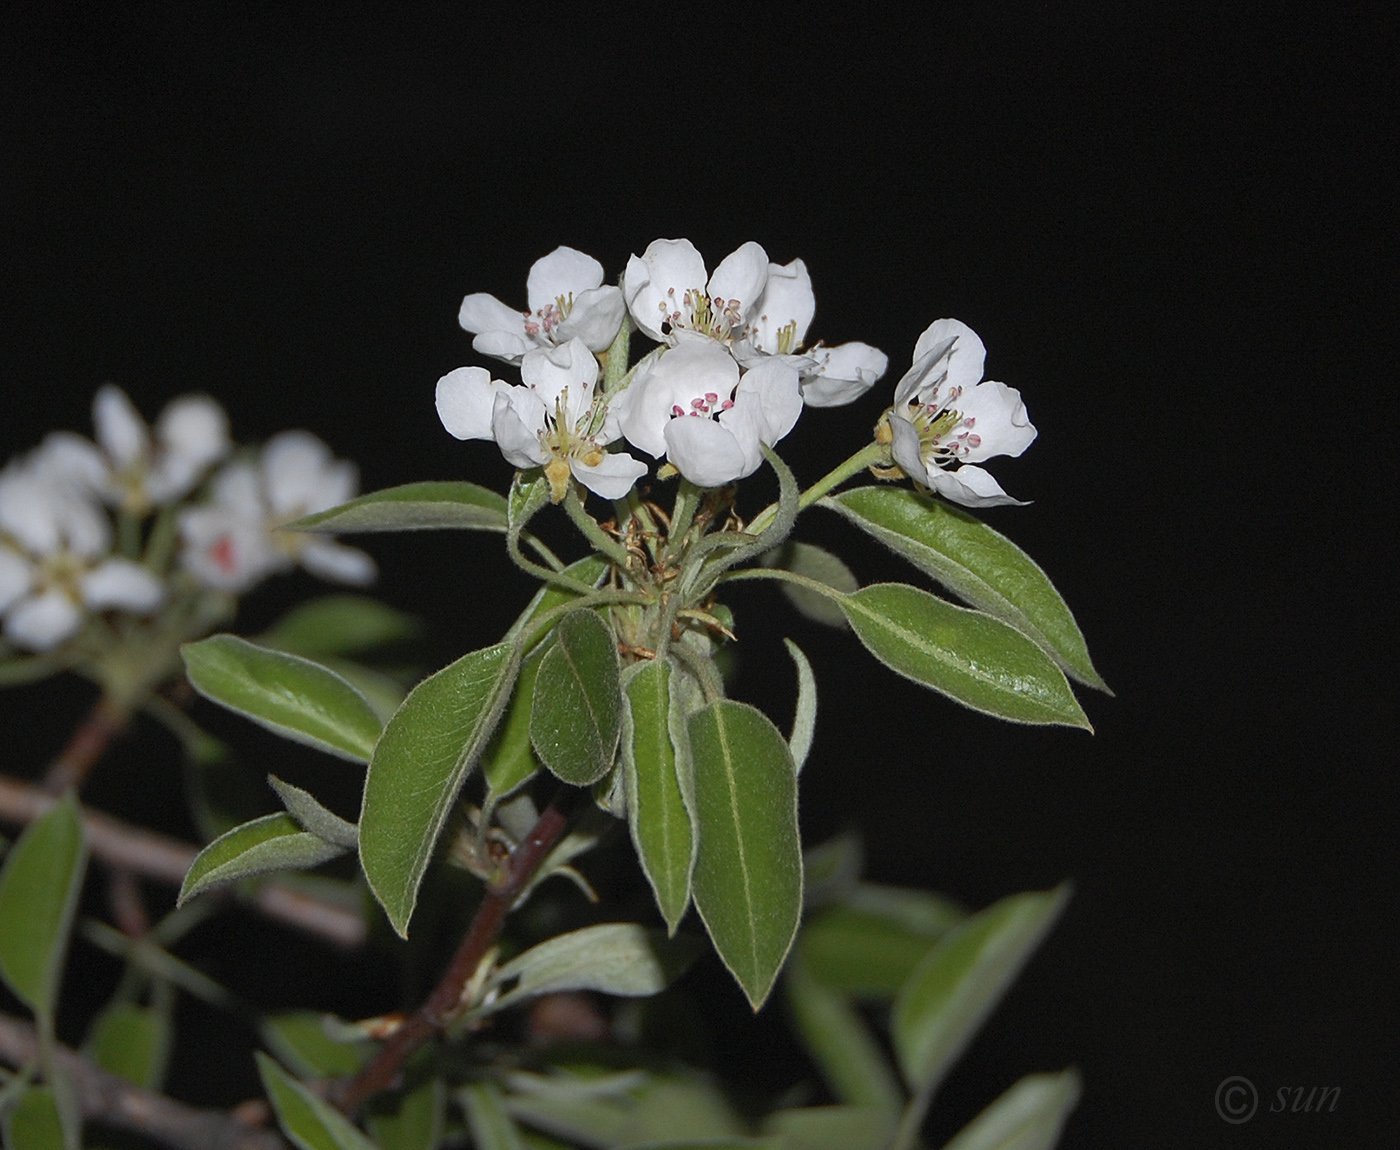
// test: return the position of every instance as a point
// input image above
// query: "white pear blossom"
(946, 419)
(552, 420)
(233, 542)
(669, 292)
(129, 466)
(692, 406)
(567, 300)
(55, 561)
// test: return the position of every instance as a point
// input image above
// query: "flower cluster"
(86, 525)
(729, 378)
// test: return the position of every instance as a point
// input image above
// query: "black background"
(1166, 226)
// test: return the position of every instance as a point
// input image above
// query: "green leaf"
(271, 843)
(287, 694)
(309, 1121)
(960, 982)
(415, 1122)
(804, 722)
(581, 1119)
(840, 1043)
(977, 564)
(419, 765)
(1029, 1116)
(510, 761)
(968, 656)
(748, 869)
(831, 869)
(831, 1128)
(426, 506)
(324, 824)
(300, 1039)
(576, 717)
(656, 813)
(682, 1112)
(821, 565)
(39, 886)
(132, 1042)
(339, 625)
(618, 958)
(860, 953)
(491, 1124)
(587, 571)
(36, 1122)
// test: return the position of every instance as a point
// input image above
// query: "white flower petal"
(655, 282)
(43, 621)
(741, 277)
(775, 385)
(970, 486)
(465, 399)
(16, 578)
(965, 358)
(550, 371)
(595, 319)
(905, 448)
(996, 416)
(481, 312)
(787, 305)
(120, 429)
(515, 425)
(337, 562)
(66, 458)
(122, 584)
(707, 453)
(563, 273)
(689, 371)
(843, 373)
(503, 345)
(194, 430)
(27, 513)
(300, 476)
(613, 477)
(226, 550)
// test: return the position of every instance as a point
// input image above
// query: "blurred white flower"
(549, 421)
(567, 300)
(692, 406)
(233, 542)
(943, 416)
(129, 466)
(55, 566)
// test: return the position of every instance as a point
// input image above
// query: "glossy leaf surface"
(427, 506)
(271, 843)
(960, 982)
(289, 695)
(747, 883)
(419, 765)
(656, 812)
(576, 716)
(39, 885)
(964, 654)
(979, 565)
(1029, 1116)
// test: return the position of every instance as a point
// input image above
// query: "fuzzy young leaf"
(427, 506)
(132, 1042)
(1029, 1116)
(419, 765)
(683, 1112)
(271, 843)
(804, 722)
(339, 625)
(309, 1121)
(322, 823)
(289, 695)
(656, 813)
(964, 654)
(951, 993)
(978, 565)
(576, 716)
(619, 958)
(748, 869)
(39, 886)
(821, 565)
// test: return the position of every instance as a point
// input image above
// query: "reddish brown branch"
(113, 1101)
(434, 1015)
(88, 743)
(143, 852)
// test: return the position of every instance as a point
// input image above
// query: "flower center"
(786, 337)
(543, 322)
(61, 572)
(709, 315)
(708, 405)
(944, 434)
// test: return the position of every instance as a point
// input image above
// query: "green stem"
(907, 1136)
(871, 453)
(688, 500)
(600, 539)
(530, 567)
(615, 362)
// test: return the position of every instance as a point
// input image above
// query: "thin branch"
(113, 1101)
(143, 852)
(71, 766)
(434, 1016)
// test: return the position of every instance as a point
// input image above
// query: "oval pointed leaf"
(271, 843)
(287, 694)
(301, 1039)
(132, 1042)
(491, 1125)
(309, 1121)
(426, 506)
(964, 654)
(35, 1122)
(322, 823)
(978, 565)
(339, 625)
(576, 716)
(39, 886)
(962, 979)
(1029, 1116)
(656, 813)
(423, 757)
(821, 565)
(748, 868)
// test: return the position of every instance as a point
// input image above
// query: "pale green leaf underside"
(271, 843)
(1029, 1116)
(289, 695)
(323, 823)
(426, 506)
(967, 655)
